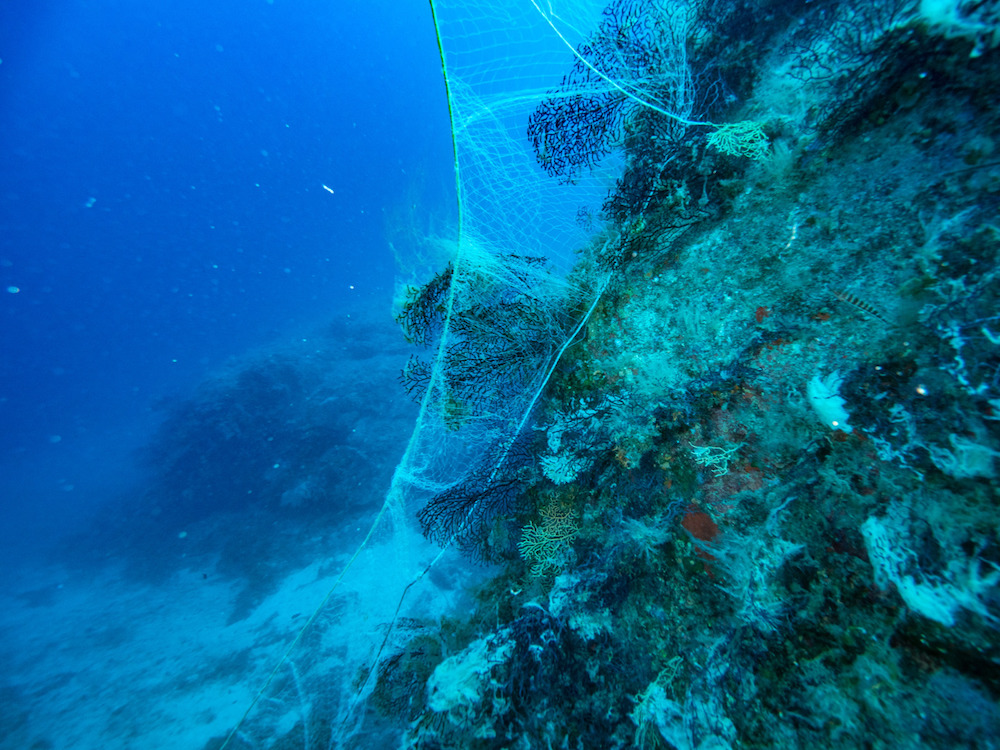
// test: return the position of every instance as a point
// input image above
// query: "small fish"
(854, 301)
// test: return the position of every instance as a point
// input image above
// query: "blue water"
(183, 182)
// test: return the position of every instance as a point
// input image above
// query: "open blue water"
(164, 206)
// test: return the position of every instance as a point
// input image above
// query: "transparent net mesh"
(522, 279)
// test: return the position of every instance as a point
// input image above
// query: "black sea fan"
(637, 57)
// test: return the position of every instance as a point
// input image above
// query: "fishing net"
(540, 97)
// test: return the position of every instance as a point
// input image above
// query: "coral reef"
(744, 567)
